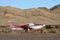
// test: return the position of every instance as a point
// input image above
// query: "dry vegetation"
(36, 15)
(46, 29)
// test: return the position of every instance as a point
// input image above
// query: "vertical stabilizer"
(11, 25)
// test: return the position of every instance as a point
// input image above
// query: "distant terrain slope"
(36, 15)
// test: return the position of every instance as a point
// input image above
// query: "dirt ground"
(48, 33)
(29, 36)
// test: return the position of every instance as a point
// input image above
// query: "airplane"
(27, 27)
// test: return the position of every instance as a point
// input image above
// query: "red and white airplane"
(26, 27)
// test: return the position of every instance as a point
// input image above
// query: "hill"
(37, 15)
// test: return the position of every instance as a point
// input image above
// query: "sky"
(25, 4)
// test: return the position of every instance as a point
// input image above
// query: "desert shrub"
(3, 26)
(6, 30)
(41, 30)
(48, 26)
(52, 31)
(45, 31)
(56, 26)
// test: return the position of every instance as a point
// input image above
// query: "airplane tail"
(11, 25)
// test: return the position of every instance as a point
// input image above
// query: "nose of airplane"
(44, 25)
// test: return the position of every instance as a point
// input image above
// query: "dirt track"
(31, 37)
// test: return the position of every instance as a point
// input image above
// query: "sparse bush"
(52, 31)
(3, 26)
(56, 26)
(48, 26)
(45, 31)
(6, 30)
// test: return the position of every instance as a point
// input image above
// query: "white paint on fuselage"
(17, 29)
(37, 27)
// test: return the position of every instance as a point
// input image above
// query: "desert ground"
(30, 37)
(48, 33)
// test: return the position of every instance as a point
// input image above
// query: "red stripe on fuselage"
(23, 26)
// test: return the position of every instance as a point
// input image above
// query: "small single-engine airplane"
(27, 27)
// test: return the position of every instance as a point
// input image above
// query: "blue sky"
(25, 4)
